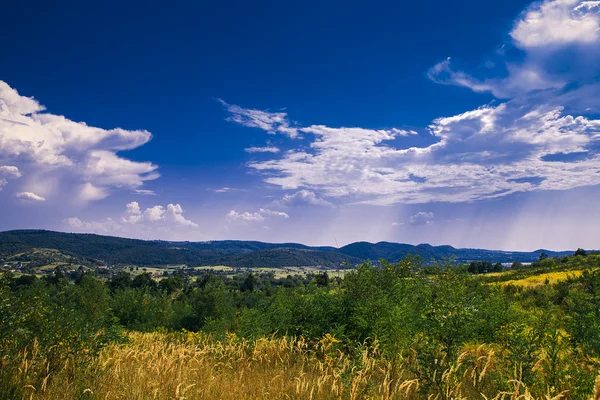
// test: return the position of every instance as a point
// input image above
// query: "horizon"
(296, 243)
(305, 123)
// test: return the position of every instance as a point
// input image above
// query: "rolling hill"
(235, 253)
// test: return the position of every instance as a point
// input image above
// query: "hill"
(236, 253)
(115, 250)
(397, 251)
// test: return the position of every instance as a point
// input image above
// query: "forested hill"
(115, 250)
(397, 251)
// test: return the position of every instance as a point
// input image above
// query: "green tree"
(322, 279)
(143, 281)
(248, 283)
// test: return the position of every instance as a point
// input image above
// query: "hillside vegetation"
(398, 330)
(99, 249)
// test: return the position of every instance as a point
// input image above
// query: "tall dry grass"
(195, 366)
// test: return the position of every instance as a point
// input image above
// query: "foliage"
(389, 330)
(50, 325)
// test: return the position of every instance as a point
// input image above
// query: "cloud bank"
(55, 156)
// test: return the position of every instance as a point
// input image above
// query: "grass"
(195, 366)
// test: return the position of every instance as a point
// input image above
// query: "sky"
(473, 124)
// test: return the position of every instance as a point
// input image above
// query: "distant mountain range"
(237, 253)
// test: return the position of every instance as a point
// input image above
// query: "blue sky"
(475, 124)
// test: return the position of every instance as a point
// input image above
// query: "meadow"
(195, 366)
(393, 331)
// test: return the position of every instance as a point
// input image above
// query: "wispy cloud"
(302, 198)
(226, 189)
(267, 149)
(271, 122)
(145, 192)
(28, 196)
(519, 79)
(260, 216)
(270, 213)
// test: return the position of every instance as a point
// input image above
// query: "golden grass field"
(194, 366)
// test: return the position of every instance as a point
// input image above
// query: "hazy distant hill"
(235, 253)
(396, 251)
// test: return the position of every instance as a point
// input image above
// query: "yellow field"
(151, 270)
(278, 272)
(537, 280)
(222, 268)
(285, 271)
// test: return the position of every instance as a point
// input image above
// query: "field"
(285, 271)
(542, 279)
(279, 273)
(194, 366)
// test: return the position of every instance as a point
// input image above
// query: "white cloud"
(102, 227)
(29, 196)
(266, 149)
(173, 215)
(8, 171)
(88, 192)
(226, 189)
(144, 192)
(421, 218)
(303, 197)
(519, 79)
(484, 153)
(81, 161)
(234, 216)
(154, 214)
(558, 22)
(136, 222)
(260, 216)
(268, 121)
(543, 138)
(559, 41)
(270, 213)
(133, 213)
